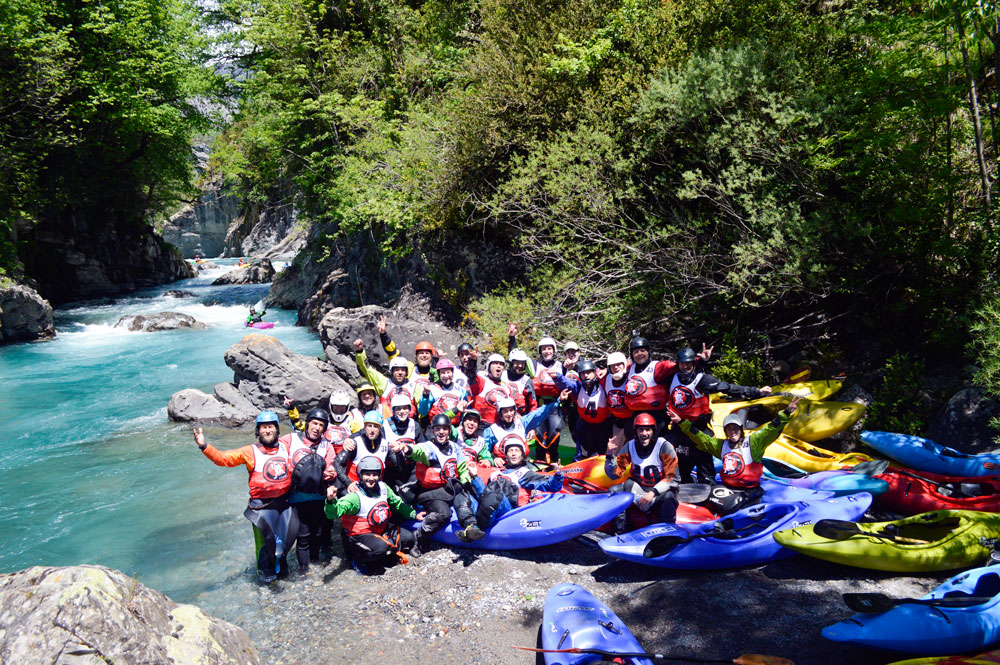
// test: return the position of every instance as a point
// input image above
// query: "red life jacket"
(647, 471)
(445, 399)
(361, 452)
(642, 392)
(432, 477)
(616, 398)
(373, 516)
(738, 468)
(593, 408)
(486, 399)
(685, 399)
(544, 383)
(272, 471)
(391, 390)
(517, 389)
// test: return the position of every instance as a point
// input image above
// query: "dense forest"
(766, 172)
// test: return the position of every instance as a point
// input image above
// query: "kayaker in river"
(741, 456)
(254, 316)
(443, 480)
(369, 536)
(654, 476)
(275, 520)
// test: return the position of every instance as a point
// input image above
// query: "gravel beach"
(459, 607)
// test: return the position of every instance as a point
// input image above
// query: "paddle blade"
(869, 603)
(661, 545)
(835, 529)
(694, 492)
(870, 468)
(758, 659)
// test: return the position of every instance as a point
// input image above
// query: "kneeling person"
(369, 536)
(655, 474)
(503, 493)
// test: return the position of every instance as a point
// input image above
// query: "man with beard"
(311, 455)
(654, 476)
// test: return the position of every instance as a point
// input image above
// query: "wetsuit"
(275, 520)
(593, 421)
(312, 464)
(653, 468)
(741, 464)
(369, 536)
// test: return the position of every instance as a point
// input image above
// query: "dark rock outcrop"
(158, 322)
(261, 228)
(207, 265)
(964, 423)
(259, 271)
(174, 293)
(84, 255)
(265, 371)
(24, 315)
(91, 614)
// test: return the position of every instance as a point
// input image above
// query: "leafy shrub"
(895, 407)
(734, 367)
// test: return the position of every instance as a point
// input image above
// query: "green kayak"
(940, 540)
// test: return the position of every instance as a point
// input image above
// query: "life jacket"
(593, 407)
(642, 392)
(518, 386)
(445, 399)
(509, 481)
(417, 379)
(486, 400)
(544, 383)
(407, 435)
(337, 433)
(372, 517)
(272, 471)
(472, 447)
(362, 451)
(685, 399)
(504, 436)
(738, 468)
(393, 389)
(647, 471)
(308, 463)
(460, 380)
(433, 477)
(616, 397)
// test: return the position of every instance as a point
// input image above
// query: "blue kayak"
(553, 519)
(777, 491)
(574, 618)
(926, 455)
(932, 630)
(744, 538)
(841, 482)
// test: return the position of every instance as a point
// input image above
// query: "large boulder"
(259, 271)
(24, 315)
(91, 615)
(158, 322)
(194, 406)
(412, 320)
(964, 423)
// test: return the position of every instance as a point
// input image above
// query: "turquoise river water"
(93, 470)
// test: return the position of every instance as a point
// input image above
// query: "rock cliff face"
(81, 256)
(24, 315)
(265, 230)
(200, 230)
(90, 615)
(256, 272)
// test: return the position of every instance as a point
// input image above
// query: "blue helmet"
(373, 417)
(266, 417)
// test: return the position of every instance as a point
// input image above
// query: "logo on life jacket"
(275, 469)
(495, 394)
(299, 454)
(616, 399)
(447, 402)
(732, 464)
(379, 514)
(336, 433)
(450, 469)
(635, 386)
(683, 397)
(545, 377)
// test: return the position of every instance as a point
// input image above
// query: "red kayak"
(914, 492)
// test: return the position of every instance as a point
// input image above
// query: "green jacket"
(420, 453)
(351, 505)
(759, 440)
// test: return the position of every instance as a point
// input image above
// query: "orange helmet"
(425, 346)
(644, 419)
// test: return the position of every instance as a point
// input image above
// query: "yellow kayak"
(810, 458)
(811, 421)
(988, 658)
(814, 390)
(939, 540)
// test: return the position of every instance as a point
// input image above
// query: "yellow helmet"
(366, 386)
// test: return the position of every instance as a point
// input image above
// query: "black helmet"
(464, 346)
(686, 355)
(585, 366)
(638, 343)
(440, 420)
(318, 414)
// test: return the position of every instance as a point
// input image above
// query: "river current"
(93, 470)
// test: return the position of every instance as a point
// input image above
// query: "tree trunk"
(974, 103)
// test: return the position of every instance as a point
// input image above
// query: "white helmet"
(547, 341)
(616, 358)
(339, 398)
(495, 358)
(518, 354)
(398, 361)
(398, 400)
(505, 402)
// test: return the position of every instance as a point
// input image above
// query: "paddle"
(745, 659)
(873, 603)
(662, 544)
(842, 530)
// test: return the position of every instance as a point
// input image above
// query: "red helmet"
(425, 346)
(644, 419)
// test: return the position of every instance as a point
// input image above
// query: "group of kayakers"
(431, 437)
